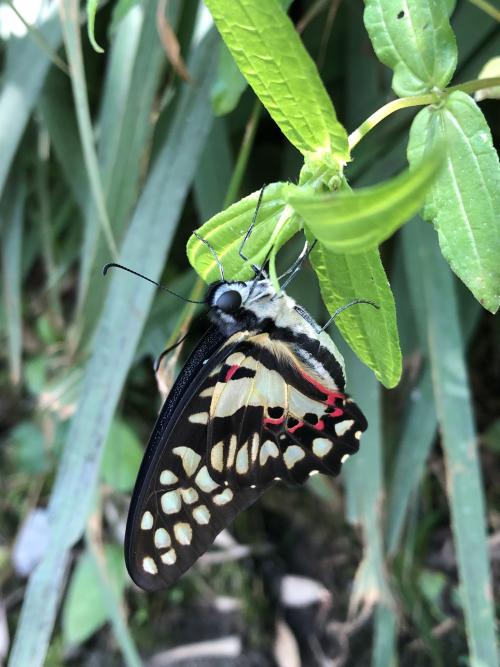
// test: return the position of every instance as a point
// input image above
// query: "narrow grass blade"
(419, 430)
(25, 70)
(147, 242)
(71, 30)
(454, 408)
(364, 481)
(385, 634)
(11, 226)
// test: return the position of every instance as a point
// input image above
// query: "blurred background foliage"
(127, 153)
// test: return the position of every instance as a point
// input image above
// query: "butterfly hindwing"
(271, 418)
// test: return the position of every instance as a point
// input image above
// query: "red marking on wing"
(273, 420)
(231, 371)
(331, 396)
(320, 426)
(294, 428)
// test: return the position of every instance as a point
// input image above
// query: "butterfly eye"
(230, 301)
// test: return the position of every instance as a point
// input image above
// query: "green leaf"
(415, 39)
(122, 457)
(353, 221)
(371, 333)
(225, 232)
(271, 56)
(85, 609)
(464, 202)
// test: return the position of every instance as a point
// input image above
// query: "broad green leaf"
(120, 9)
(229, 83)
(353, 221)
(415, 39)
(85, 609)
(464, 202)
(271, 56)
(371, 333)
(225, 232)
(122, 457)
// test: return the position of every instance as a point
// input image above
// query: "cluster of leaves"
(97, 166)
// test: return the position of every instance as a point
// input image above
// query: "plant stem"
(416, 101)
(487, 8)
(379, 115)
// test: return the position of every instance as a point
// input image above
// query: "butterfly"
(261, 398)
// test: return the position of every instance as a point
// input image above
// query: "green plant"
(97, 166)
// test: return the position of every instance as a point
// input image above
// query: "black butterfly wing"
(177, 508)
(273, 417)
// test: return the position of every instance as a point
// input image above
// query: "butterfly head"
(234, 304)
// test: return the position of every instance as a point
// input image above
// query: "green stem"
(388, 109)
(416, 101)
(475, 84)
(487, 8)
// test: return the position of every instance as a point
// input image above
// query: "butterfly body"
(261, 398)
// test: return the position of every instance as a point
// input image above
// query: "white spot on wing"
(207, 393)
(199, 418)
(167, 478)
(293, 454)
(357, 435)
(344, 426)
(217, 456)
(321, 446)
(269, 448)
(242, 460)
(344, 458)
(255, 447)
(190, 459)
(149, 565)
(169, 557)
(224, 497)
(183, 533)
(189, 496)
(204, 481)
(171, 502)
(232, 451)
(147, 520)
(201, 515)
(162, 539)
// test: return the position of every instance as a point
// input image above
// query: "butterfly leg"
(249, 231)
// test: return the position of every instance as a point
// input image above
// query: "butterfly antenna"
(160, 357)
(111, 265)
(348, 305)
(255, 268)
(213, 253)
